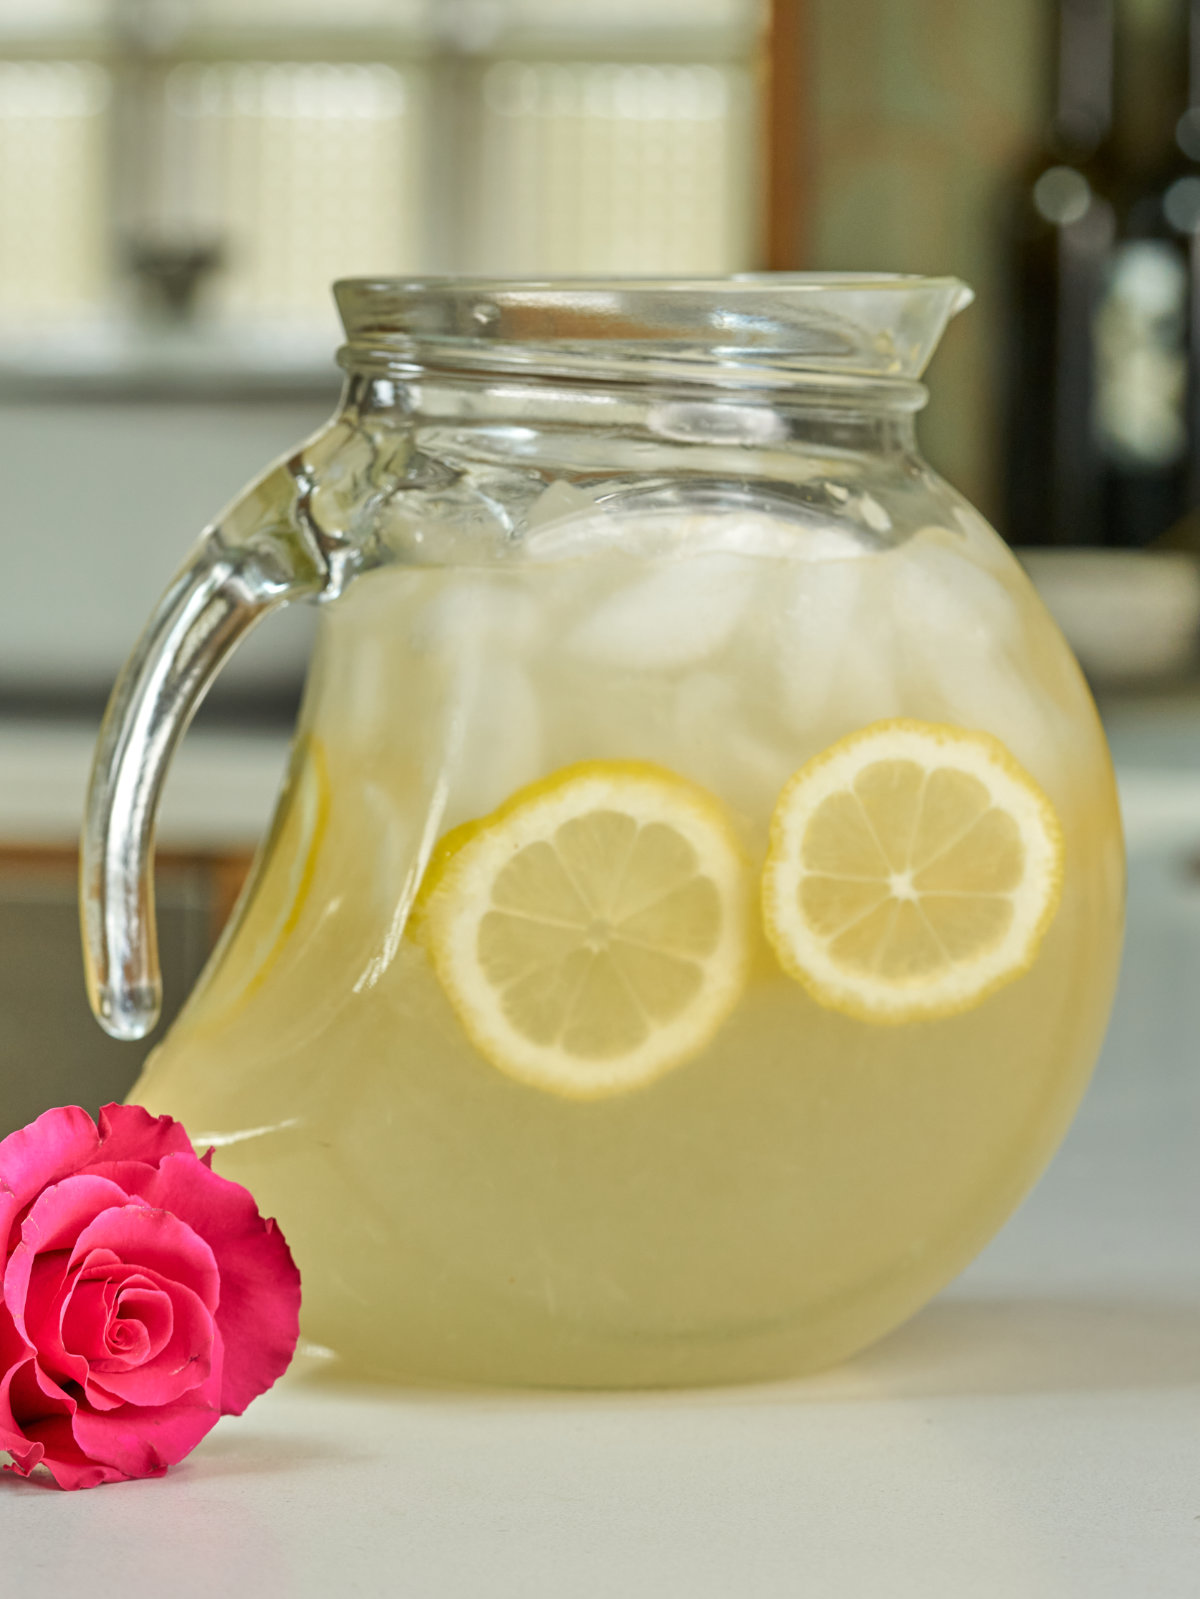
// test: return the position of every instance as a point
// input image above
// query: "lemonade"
(545, 1028)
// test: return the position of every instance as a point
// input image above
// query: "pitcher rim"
(655, 280)
(759, 327)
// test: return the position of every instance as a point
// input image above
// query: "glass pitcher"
(692, 911)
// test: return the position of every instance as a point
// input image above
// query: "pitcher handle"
(261, 555)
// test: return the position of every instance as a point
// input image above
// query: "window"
(53, 179)
(610, 167)
(253, 150)
(298, 172)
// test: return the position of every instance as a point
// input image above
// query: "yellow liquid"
(803, 1183)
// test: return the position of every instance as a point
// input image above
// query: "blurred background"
(180, 180)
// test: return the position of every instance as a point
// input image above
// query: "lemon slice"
(591, 933)
(913, 869)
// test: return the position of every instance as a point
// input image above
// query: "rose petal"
(93, 1328)
(35, 1428)
(122, 1172)
(157, 1239)
(173, 1354)
(142, 1442)
(27, 1399)
(42, 1314)
(132, 1286)
(59, 1214)
(14, 1346)
(46, 1395)
(58, 1143)
(84, 1318)
(142, 1319)
(53, 1221)
(259, 1310)
(139, 1327)
(45, 1282)
(55, 1448)
(114, 1276)
(25, 1453)
(127, 1132)
(183, 1364)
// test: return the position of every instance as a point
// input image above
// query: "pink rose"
(142, 1296)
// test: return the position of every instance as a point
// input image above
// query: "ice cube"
(965, 654)
(835, 641)
(818, 538)
(941, 591)
(496, 609)
(976, 537)
(559, 502)
(493, 736)
(718, 749)
(989, 692)
(679, 614)
(365, 653)
(794, 531)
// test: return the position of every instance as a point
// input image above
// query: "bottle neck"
(1154, 84)
(1187, 129)
(1083, 88)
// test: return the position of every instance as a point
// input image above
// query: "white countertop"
(1034, 1434)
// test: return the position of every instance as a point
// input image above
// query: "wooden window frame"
(787, 137)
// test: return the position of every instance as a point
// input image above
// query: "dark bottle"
(1147, 372)
(1061, 233)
